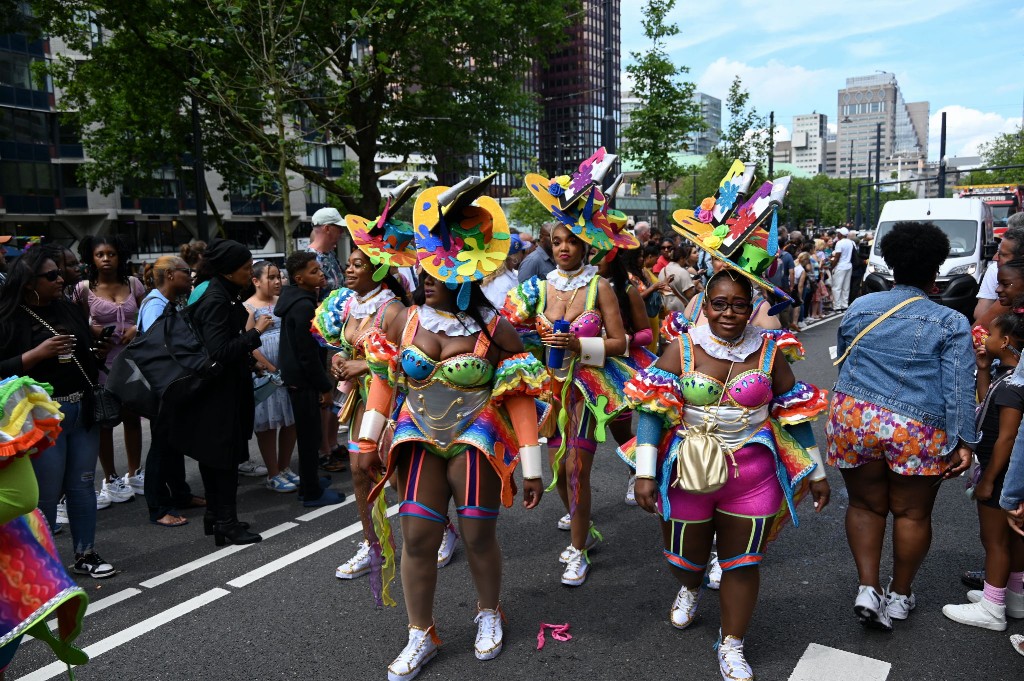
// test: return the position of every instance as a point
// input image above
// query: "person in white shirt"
(1011, 246)
(842, 267)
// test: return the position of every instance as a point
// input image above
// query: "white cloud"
(773, 86)
(966, 130)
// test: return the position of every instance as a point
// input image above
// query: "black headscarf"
(225, 256)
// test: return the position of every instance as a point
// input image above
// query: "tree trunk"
(282, 176)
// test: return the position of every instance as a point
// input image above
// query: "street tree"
(658, 129)
(1006, 149)
(746, 137)
(527, 213)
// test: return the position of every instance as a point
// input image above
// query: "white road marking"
(120, 638)
(826, 320)
(324, 510)
(821, 662)
(211, 558)
(101, 604)
(304, 552)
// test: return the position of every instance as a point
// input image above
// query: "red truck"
(1005, 200)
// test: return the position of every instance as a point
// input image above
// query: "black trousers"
(308, 431)
(166, 489)
(221, 488)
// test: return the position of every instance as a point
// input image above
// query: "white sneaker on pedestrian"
(984, 614)
(137, 482)
(420, 649)
(447, 548)
(280, 483)
(870, 608)
(684, 607)
(731, 661)
(592, 538)
(118, 489)
(564, 523)
(291, 475)
(630, 491)
(62, 512)
(103, 499)
(1014, 602)
(897, 605)
(251, 469)
(356, 566)
(714, 572)
(576, 568)
(488, 633)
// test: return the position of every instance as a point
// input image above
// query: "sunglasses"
(52, 275)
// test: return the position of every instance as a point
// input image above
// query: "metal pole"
(202, 229)
(857, 221)
(771, 145)
(878, 161)
(942, 158)
(849, 185)
(610, 84)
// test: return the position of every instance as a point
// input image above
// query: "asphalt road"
(275, 610)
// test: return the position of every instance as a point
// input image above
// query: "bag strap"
(873, 324)
(54, 332)
(983, 409)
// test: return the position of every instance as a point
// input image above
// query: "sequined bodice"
(465, 370)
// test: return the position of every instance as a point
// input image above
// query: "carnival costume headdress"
(738, 228)
(386, 241)
(578, 202)
(461, 235)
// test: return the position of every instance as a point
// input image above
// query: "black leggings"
(221, 490)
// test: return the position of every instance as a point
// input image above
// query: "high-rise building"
(703, 141)
(866, 103)
(810, 132)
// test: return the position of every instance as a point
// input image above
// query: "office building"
(783, 152)
(810, 133)
(703, 141)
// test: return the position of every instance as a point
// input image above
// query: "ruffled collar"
(363, 307)
(730, 351)
(570, 281)
(439, 321)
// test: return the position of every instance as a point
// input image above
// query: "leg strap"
(678, 561)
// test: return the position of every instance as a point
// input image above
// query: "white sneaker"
(103, 499)
(420, 649)
(984, 614)
(342, 429)
(1014, 601)
(291, 475)
(870, 608)
(630, 493)
(356, 566)
(252, 469)
(714, 572)
(897, 605)
(118, 489)
(592, 538)
(447, 548)
(137, 482)
(731, 661)
(684, 607)
(576, 568)
(564, 522)
(62, 512)
(488, 633)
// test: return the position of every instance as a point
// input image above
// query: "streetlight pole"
(878, 160)
(771, 145)
(849, 184)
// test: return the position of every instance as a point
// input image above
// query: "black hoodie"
(300, 358)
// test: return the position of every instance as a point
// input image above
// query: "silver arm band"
(646, 461)
(592, 351)
(372, 426)
(819, 470)
(529, 456)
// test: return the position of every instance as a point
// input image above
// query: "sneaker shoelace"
(730, 655)
(490, 619)
(575, 562)
(417, 639)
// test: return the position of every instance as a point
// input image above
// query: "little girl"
(999, 417)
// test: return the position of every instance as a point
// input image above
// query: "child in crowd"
(999, 418)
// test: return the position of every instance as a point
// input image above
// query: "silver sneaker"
(138, 481)
(564, 523)
(252, 469)
(714, 572)
(488, 633)
(118, 490)
(684, 607)
(356, 566)
(103, 499)
(420, 649)
(447, 548)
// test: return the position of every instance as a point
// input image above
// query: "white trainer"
(447, 548)
(103, 499)
(870, 608)
(62, 512)
(356, 566)
(731, 661)
(897, 605)
(983, 614)
(684, 607)
(252, 469)
(138, 481)
(564, 523)
(420, 649)
(631, 491)
(1014, 600)
(118, 489)
(576, 568)
(488, 633)
(714, 572)
(592, 539)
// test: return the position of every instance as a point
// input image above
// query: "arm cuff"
(592, 351)
(819, 470)
(529, 456)
(372, 426)
(646, 461)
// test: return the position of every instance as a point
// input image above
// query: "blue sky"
(964, 57)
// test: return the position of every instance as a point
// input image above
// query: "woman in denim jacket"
(902, 417)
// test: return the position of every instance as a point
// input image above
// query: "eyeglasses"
(52, 275)
(737, 306)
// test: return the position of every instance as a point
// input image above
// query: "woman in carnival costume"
(591, 359)
(469, 415)
(722, 383)
(33, 583)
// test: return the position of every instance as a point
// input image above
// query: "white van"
(967, 223)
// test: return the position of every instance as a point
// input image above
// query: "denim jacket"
(918, 362)
(1013, 483)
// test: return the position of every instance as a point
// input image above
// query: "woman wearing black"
(214, 425)
(45, 336)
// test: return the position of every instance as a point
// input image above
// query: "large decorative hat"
(731, 226)
(386, 241)
(461, 235)
(578, 202)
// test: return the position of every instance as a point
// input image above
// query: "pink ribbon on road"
(559, 632)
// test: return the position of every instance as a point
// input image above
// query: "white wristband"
(372, 426)
(592, 351)
(819, 470)
(647, 461)
(529, 456)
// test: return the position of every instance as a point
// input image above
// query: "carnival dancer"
(469, 416)
(576, 315)
(739, 450)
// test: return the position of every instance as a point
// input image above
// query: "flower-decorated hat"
(461, 235)
(731, 227)
(387, 242)
(578, 202)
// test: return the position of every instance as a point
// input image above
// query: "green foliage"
(746, 138)
(658, 129)
(527, 213)
(1006, 149)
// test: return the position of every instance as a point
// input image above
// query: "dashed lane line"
(821, 662)
(101, 604)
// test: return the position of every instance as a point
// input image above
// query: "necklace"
(369, 296)
(570, 275)
(568, 281)
(727, 343)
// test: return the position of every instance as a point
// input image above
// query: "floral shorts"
(860, 432)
